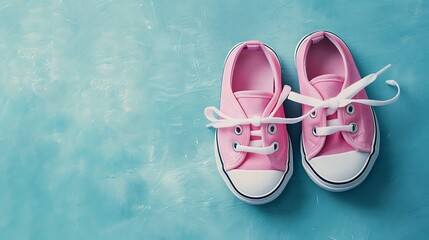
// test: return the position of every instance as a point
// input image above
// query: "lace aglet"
(383, 69)
(391, 82)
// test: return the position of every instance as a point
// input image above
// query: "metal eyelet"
(354, 127)
(315, 131)
(350, 109)
(272, 129)
(276, 146)
(238, 130)
(234, 146)
(313, 114)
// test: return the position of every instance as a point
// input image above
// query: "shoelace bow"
(224, 121)
(344, 98)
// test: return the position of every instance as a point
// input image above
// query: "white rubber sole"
(360, 177)
(255, 200)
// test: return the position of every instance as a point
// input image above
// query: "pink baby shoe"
(340, 140)
(252, 147)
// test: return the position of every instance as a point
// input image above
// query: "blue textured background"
(102, 130)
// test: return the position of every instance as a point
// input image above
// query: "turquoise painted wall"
(102, 129)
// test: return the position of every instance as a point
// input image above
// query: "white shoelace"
(256, 121)
(225, 121)
(343, 99)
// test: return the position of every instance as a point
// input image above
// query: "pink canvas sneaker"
(340, 140)
(252, 147)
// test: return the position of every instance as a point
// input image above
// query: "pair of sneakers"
(340, 135)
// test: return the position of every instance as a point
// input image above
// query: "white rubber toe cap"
(255, 183)
(340, 168)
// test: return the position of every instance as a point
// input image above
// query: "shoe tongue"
(253, 102)
(328, 85)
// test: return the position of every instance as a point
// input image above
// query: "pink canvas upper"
(242, 98)
(324, 81)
